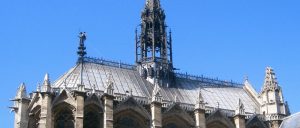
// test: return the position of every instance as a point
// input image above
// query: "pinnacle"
(46, 79)
(200, 98)
(240, 110)
(21, 93)
(156, 97)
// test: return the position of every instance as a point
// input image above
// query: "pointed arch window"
(93, 117)
(63, 116)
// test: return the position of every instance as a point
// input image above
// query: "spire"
(21, 93)
(81, 53)
(46, 84)
(240, 110)
(270, 79)
(153, 45)
(81, 49)
(46, 79)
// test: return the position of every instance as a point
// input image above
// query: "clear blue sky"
(217, 38)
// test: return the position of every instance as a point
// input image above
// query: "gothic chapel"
(98, 93)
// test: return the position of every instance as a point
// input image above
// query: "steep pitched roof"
(291, 121)
(126, 78)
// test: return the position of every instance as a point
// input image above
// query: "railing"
(210, 81)
(109, 63)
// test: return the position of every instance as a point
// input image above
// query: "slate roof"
(292, 121)
(126, 79)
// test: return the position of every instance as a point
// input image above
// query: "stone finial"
(21, 93)
(46, 84)
(200, 102)
(156, 97)
(110, 85)
(240, 110)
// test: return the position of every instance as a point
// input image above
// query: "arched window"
(217, 124)
(130, 119)
(171, 125)
(34, 117)
(128, 122)
(93, 117)
(175, 122)
(63, 117)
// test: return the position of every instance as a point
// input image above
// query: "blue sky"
(217, 38)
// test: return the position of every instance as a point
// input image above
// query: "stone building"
(98, 93)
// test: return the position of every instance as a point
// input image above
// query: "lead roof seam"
(183, 94)
(65, 75)
(116, 79)
(96, 83)
(143, 83)
(131, 85)
(74, 79)
(106, 75)
(68, 75)
(138, 82)
(87, 74)
(100, 76)
(187, 94)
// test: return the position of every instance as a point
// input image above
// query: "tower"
(271, 98)
(154, 46)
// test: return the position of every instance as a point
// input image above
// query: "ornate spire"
(81, 49)
(240, 110)
(153, 47)
(270, 80)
